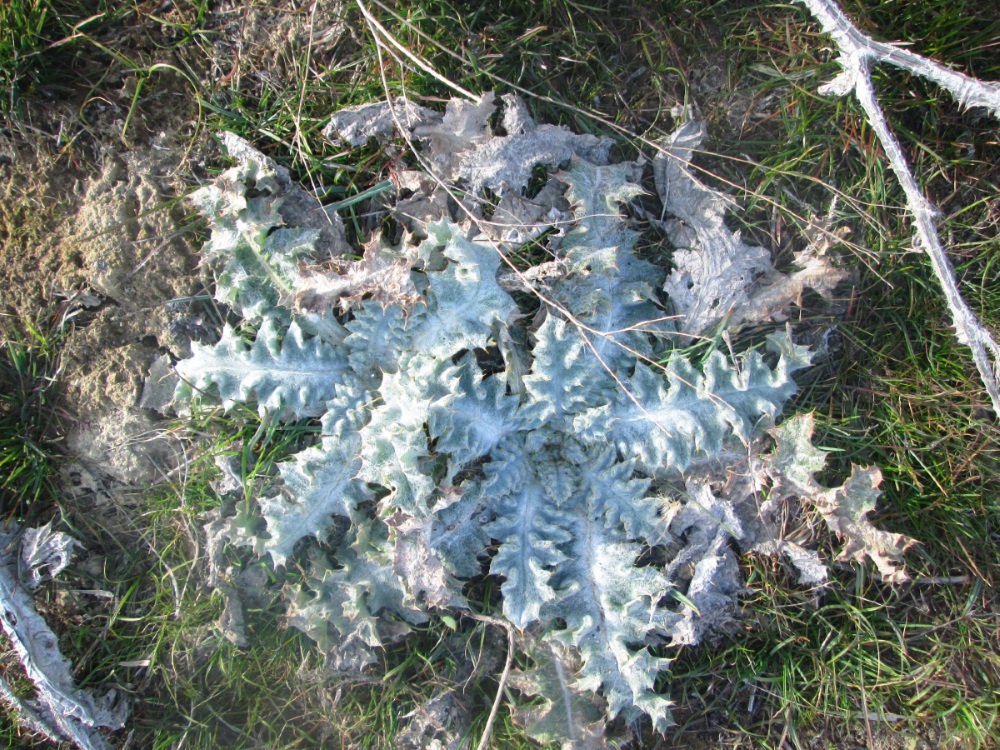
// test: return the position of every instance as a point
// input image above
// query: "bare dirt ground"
(92, 214)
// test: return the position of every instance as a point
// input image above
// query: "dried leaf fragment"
(44, 554)
(717, 276)
(355, 125)
(568, 715)
(463, 147)
(418, 564)
(383, 273)
(844, 509)
(442, 723)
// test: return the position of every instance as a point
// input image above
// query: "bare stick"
(424, 66)
(940, 580)
(857, 52)
(485, 739)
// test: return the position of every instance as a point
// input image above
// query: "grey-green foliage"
(434, 447)
(256, 267)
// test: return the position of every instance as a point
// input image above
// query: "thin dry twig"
(373, 22)
(485, 738)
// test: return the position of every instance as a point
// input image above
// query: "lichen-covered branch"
(857, 52)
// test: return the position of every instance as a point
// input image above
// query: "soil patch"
(100, 248)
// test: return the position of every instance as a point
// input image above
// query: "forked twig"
(857, 53)
(855, 45)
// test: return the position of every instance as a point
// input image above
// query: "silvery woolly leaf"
(394, 444)
(530, 527)
(474, 417)
(262, 224)
(564, 379)
(285, 373)
(338, 607)
(464, 299)
(599, 240)
(611, 612)
(319, 483)
(665, 423)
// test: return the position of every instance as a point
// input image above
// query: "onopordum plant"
(540, 423)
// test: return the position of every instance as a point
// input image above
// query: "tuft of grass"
(22, 25)
(29, 415)
(36, 37)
